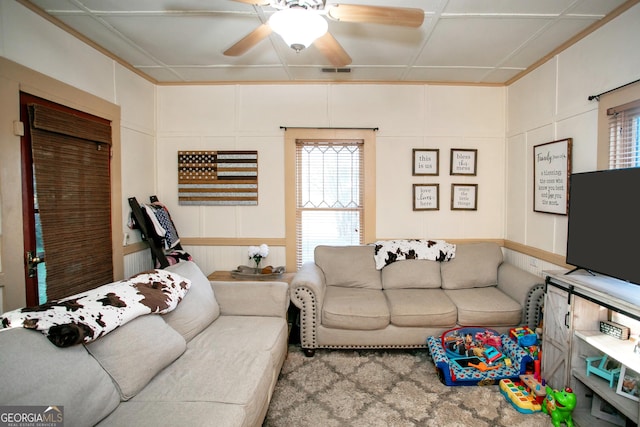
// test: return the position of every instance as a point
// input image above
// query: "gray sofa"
(214, 360)
(345, 302)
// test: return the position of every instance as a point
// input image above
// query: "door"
(66, 200)
(35, 269)
(556, 337)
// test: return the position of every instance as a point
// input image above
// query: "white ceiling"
(460, 41)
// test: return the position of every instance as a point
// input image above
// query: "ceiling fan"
(302, 22)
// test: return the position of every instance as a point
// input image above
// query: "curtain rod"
(302, 127)
(597, 97)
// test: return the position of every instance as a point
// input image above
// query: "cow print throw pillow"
(87, 316)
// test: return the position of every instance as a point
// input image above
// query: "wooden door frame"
(13, 79)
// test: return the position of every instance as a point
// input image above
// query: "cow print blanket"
(87, 316)
(388, 251)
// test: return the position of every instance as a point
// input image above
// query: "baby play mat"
(476, 363)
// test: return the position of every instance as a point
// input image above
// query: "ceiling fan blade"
(402, 16)
(255, 2)
(332, 50)
(249, 41)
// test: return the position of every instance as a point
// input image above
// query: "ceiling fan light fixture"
(298, 27)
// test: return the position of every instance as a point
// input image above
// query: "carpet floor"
(382, 388)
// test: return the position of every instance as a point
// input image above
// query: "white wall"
(223, 117)
(31, 41)
(37, 44)
(551, 103)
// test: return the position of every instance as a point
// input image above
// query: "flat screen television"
(604, 223)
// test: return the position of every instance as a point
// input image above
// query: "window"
(329, 190)
(624, 135)
(329, 195)
(619, 128)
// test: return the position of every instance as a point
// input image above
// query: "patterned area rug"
(382, 388)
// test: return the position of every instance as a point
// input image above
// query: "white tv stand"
(573, 307)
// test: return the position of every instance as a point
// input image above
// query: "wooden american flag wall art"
(218, 178)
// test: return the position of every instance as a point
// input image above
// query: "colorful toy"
(520, 333)
(483, 367)
(491, 354)
(489, 338)
(527, 339)
(560, 405)
(519, 397)
(534, 387)
(458, 370)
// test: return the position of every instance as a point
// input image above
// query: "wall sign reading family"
(426, 197)
(551, 169)
(464, 197)
(463, 162)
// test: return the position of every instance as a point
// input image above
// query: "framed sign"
(464, 197)
(551, 170)
(426, 197)
(463, 161)
(425, 161)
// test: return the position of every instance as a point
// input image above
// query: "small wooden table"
(225, 276)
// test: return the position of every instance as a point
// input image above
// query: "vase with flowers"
(256, 253)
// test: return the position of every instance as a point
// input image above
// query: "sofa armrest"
(248, 298)
(523, 287)
(307, 293)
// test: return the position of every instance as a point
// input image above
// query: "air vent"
(336, 70)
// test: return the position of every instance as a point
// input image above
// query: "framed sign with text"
(464, 197)
(425, 161)
(426, 197)
(463, 161)
(551, 170)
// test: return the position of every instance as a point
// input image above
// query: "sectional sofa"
(214, 360)
(347, 301)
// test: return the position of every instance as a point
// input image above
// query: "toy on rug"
(525, 395)
(476, 356)
(560, 405)
(470, 341)
(527, 339)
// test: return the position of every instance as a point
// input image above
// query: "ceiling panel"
(539, 46)
(458, 41)
(468, 41)
(515, 7)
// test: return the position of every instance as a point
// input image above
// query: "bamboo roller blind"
(71, 157)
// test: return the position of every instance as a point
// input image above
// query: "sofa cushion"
(348, 266)
(136, 352)
(198, 308)
(269, 334)
(485, 307)
(411, 274)
(351, 308)
(33, 371)
(475, 266)
(210, 371)
(193, 414)
(421, 307)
